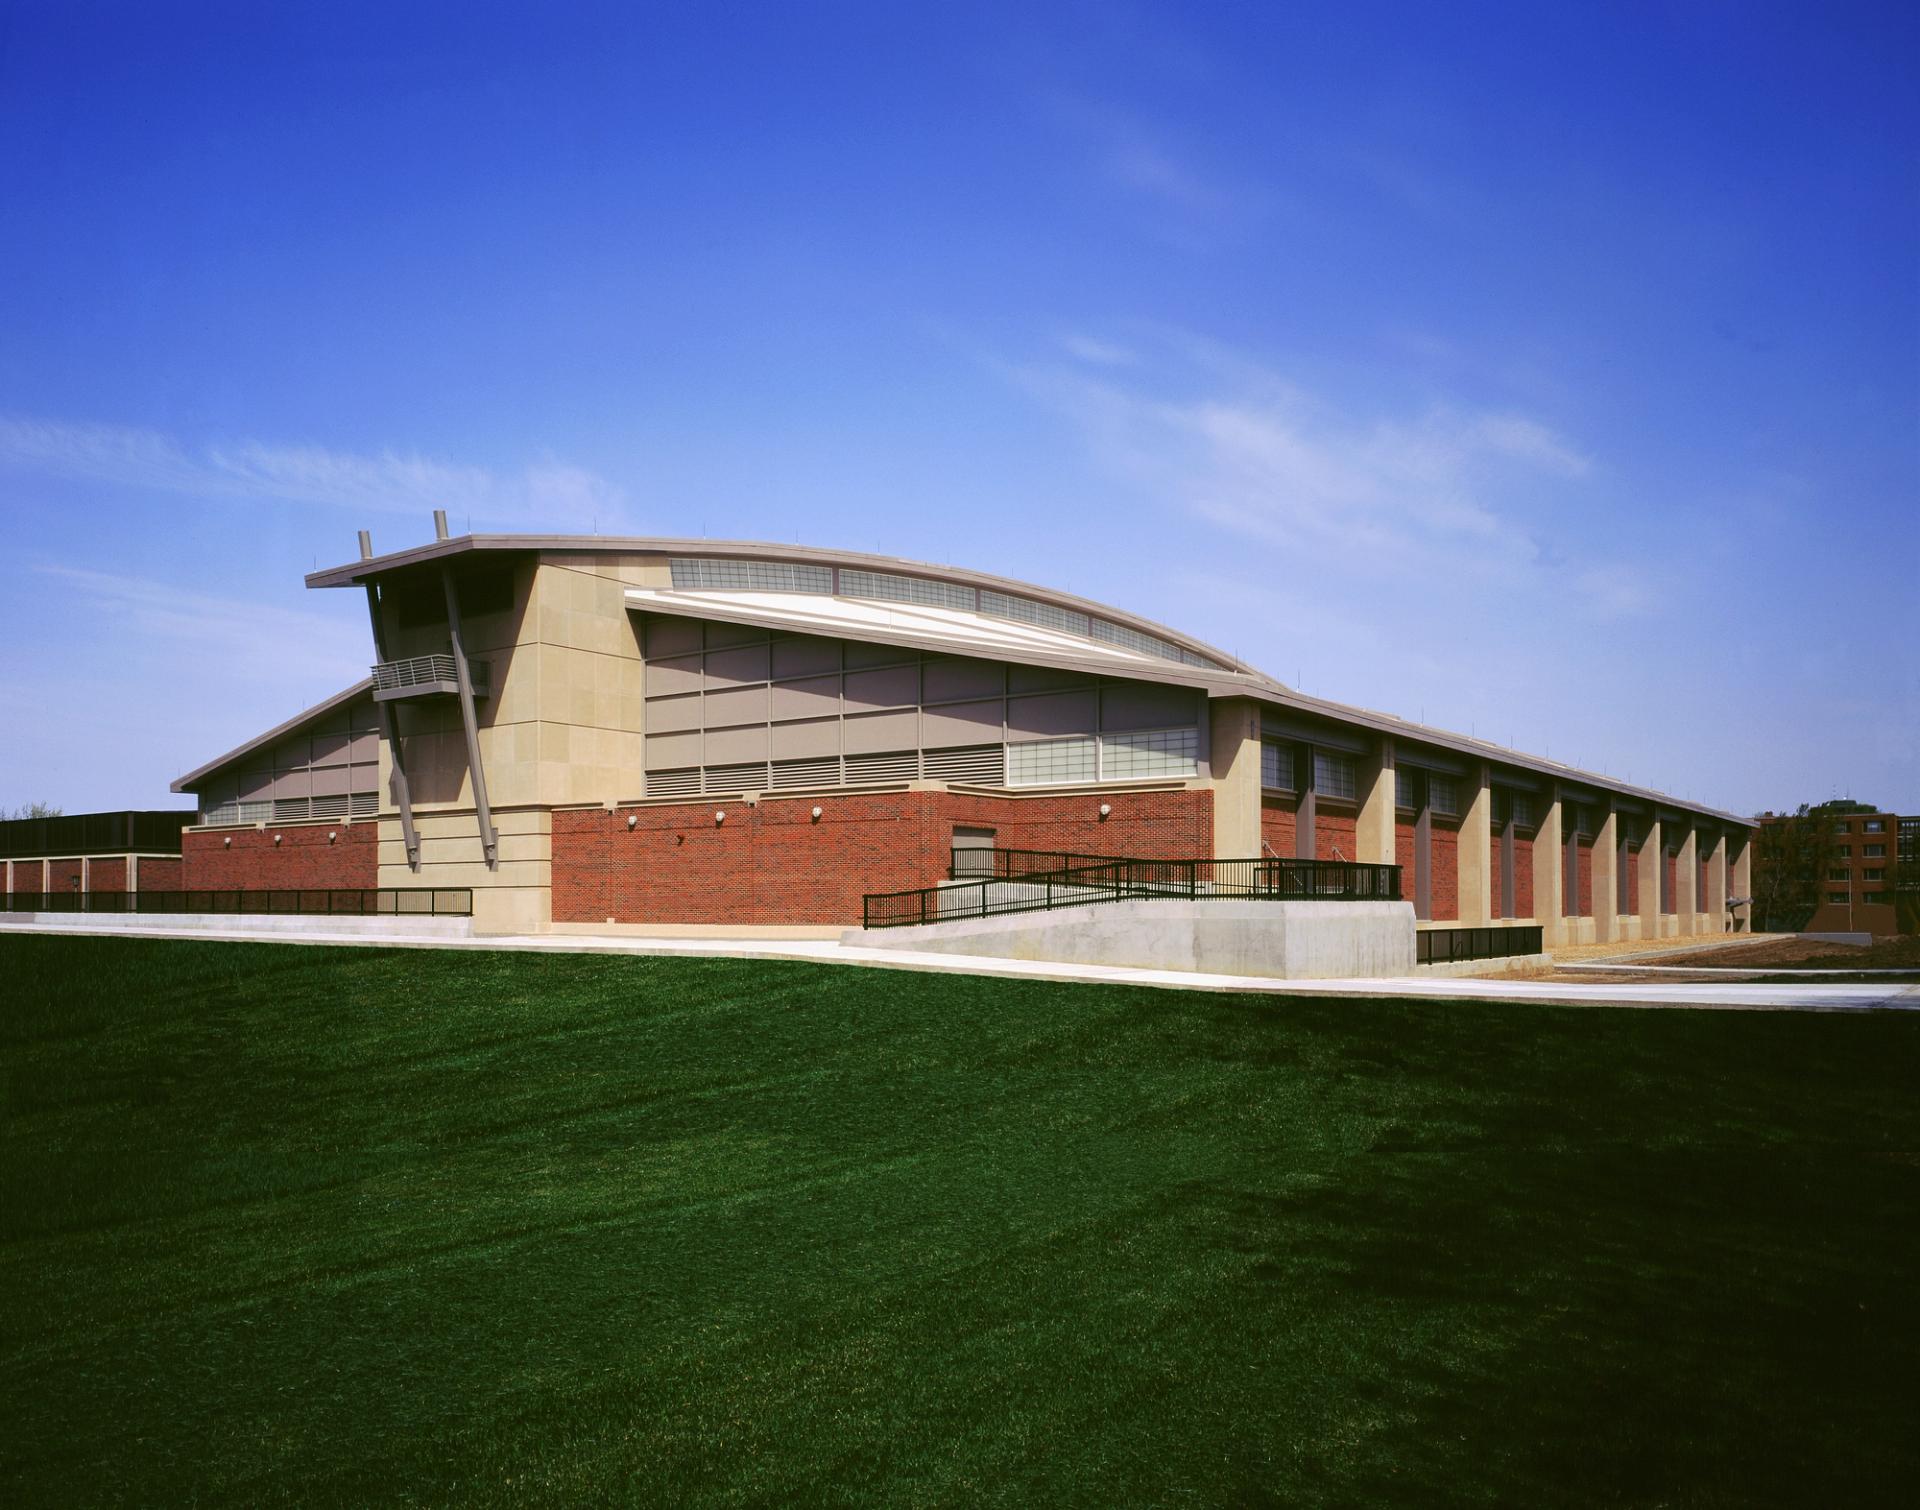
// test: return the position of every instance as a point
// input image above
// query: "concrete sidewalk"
(1732, 994)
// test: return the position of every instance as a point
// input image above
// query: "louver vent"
(751, 777)
(824, 770)
(674, 783)
(892, 765)
(984, 763)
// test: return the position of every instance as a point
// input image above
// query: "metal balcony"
(426, 676)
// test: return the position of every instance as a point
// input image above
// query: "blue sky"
(1548, 372)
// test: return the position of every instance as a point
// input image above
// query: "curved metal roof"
(1211, 658)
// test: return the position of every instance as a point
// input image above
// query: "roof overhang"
(1497, 755)
(945, 631)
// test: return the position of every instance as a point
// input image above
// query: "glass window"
(752, 576)
(1027, 611)
(1276, 766)
(1154, 752)
(1052, 762)
(1333, 775)
(892, 588)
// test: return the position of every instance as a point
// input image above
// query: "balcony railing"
(426, 676)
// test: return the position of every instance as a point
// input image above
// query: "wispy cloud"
(552, 493)
(246, 641)
(1217, 434)
(1096, 352)
(1139, 157)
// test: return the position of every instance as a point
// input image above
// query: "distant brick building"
(1872, 882)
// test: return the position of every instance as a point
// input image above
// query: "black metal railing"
(394, 901)
(1005, 864)
(1446, 946)
(154, 831)
(1108, 880)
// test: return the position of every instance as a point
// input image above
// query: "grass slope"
(288, 1224)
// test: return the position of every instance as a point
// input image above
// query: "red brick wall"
(1279, 825)
(303, 860)
(1445, 850)
(1333, 829)
(1523, 875)
(161, 874)
(581, 873)
(775, 864)
(108, 874)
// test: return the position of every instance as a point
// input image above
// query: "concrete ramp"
(1280, 940)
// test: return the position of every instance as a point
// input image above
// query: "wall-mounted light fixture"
(1105, 809)
(816, 815)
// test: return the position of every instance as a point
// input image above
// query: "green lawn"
(281, 1224)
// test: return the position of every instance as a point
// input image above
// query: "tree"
(1791, 857)
(31, 810)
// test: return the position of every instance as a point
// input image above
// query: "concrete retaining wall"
(1285, 940)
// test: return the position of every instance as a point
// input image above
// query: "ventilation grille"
(823, 770)
(294, 809)
(892, 765)
(674, 783)
(751, 777)
(985, 763)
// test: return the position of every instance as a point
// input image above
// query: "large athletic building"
(587, 730)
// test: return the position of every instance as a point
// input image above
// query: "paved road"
(1750, 995)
